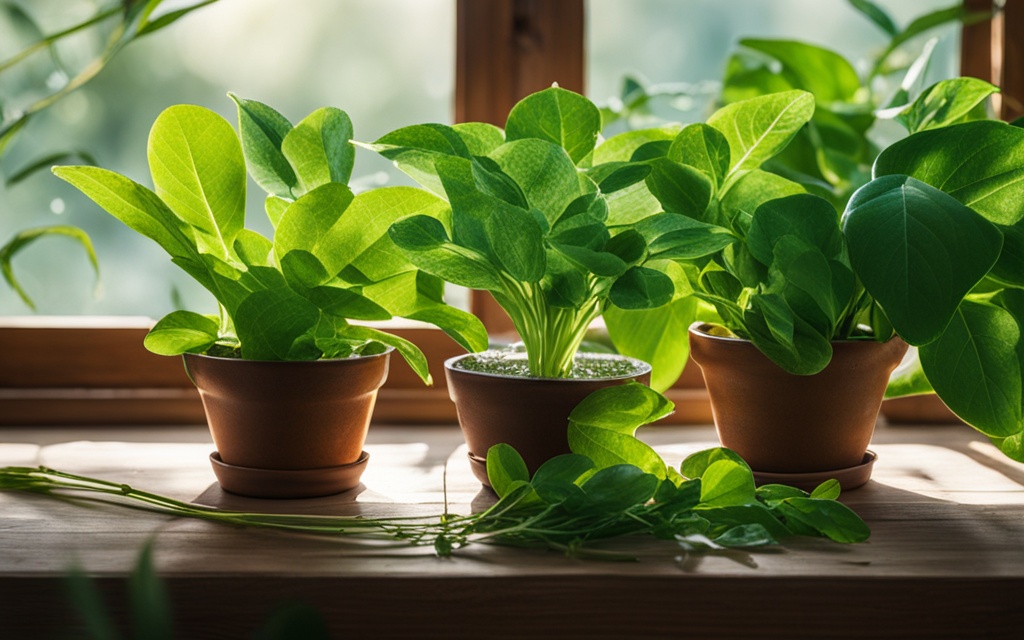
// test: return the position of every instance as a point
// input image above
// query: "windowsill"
(946, 511)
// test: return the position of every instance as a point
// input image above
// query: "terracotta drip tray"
(288, 483)
(849, 478)
(479, 466)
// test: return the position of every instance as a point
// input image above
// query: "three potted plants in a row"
(653, 229)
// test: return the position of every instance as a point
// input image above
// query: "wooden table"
(946, 558)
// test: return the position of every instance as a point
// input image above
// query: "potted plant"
(287, 377)
(532, 222)
(927, 252)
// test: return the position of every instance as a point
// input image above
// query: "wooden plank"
(976, 45)
(1012, 77)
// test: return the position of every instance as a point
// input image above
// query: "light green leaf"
(805, 66)
(621, 147)
(319, 150)
(697, 463)
(504, 467)
(199, 172)
(678, 237)
(986, 173)
(751, 191)
(758, 128)
(409, 351)
(828, 490)
(182, 332)
(945, 103)
(415, 149)
(307, 222)
(559, 116)
(917, 251)
(481, 138)
(26, 237)
(727, 483)
(270, 321)
(544, 173)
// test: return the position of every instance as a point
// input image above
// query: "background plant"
(330, 261)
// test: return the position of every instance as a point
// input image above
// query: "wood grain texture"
(946, 511)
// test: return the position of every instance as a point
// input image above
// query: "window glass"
(683, 45)
(387, 63)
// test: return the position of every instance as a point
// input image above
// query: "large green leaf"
(263, 129)
(641, 288)
(409, 351)
(727, 483)
(602, 426)
(559, 116)
(620, 147)
(751, 191)
(678, 237)
(917, 251)
(199, 172)
(307, 222)
(134, 205)
(481, 138)
(981, 164)
(975, 367)
(758, 128)
(824, 73)
(426, 244)
(504, 467)
(414, 150)
(704, 148)
(804, 216)
(269, 322)
(319, 148)
(518, 243)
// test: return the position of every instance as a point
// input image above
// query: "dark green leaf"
(705, 148)
(263, 130)
(678, 237)
(918, 252)
(641, 288)
(518, 243)
(830, 518)
(617, 488)
(47, 162)
(150, 603)
(876, 14)
(679, 188)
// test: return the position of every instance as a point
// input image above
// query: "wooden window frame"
(95, 371)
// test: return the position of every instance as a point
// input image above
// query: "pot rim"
(389, 350)
(449, 365)
(699, 328)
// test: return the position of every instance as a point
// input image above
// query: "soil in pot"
(497, 401)
(309, 418)
(782, 423)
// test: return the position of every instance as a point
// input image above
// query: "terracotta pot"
(309, 418)
(788, 424)
(530, 414)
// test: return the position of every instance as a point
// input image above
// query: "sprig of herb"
(612, 486)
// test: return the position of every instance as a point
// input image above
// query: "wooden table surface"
(945, 560)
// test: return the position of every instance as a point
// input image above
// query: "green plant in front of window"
(532, 221)
(612, 486)
(329, 262)
(929, 250)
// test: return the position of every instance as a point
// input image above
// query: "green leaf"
(134, 205)
(824, 73)
(641, 288)
(504, 467)
(696, 464)
(319, 148)
(555, 480)
(679, 188)
(657, 336)
(182, 332)
(275, 208)
(830, 518)
(199, 172)
(751, 191)
(702, 147)
(917, 251)
(150, 603)
(617, 488)
(975, 366)
(544, 173)
(481, 138)
(727, 483)
(307, 223)
(26, 237)
(518, 243)
(945, 103)
(876, 14)
(419, 237)
(908, 379)
(758, 128)
(253, 249)
(981, 164)
(621, 147)
(270, 321)
(409, 351)
(603, 425)
(677, 237)
(1009, 268)
(828, 490)
(559, 116)
(263, 130)
(415, 149)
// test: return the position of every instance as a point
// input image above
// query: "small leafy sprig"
(612, 486)
(330, 260)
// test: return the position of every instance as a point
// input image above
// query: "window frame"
(95, 371)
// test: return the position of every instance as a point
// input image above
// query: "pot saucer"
(288, 483)
(849, 478)
(479, 466)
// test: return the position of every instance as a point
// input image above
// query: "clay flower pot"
(794, 428)
(530, 414)
(288, 429)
